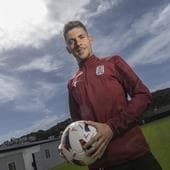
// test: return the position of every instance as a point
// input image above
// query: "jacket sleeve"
(73, 107)
(140, 98)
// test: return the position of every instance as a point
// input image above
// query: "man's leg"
(125, 166)
(146, 162)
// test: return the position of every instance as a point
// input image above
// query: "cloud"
(65, 10)
(162, 86)
(145, 39)
(156, 48)
(154, 51)
(163, 19)
(9, 88)
(35, 99)
(47, 90)
(38, 85)
(20, 27)
(44, 123)
(30, 23)
(18, 24)
(101, 7)
(2, 61)
(30, 103)
(45, 64)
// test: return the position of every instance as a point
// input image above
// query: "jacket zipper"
(86, 79)
(85, 86)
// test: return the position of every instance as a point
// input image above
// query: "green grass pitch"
(157, 134)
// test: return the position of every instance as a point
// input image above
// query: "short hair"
(73, 24)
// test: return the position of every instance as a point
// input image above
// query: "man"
(99, 93)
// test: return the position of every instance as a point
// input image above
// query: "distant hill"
(161, 98)
(53, 132)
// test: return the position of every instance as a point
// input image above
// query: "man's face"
(79, 43)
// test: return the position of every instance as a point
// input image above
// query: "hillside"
(161, 99)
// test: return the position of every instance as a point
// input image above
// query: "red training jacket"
(99, 92)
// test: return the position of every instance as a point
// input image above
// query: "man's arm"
(139, 94)
(130, 111)
(73, 107)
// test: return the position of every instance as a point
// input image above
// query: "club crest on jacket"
(100, 70)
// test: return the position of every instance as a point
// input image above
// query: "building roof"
(25, 145)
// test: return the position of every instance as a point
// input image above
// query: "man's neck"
(83, 60)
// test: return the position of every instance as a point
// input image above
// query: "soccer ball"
(73, 138)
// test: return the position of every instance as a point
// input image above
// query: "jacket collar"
(87, 61)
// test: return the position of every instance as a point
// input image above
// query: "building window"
(47, 153)
(11, 166)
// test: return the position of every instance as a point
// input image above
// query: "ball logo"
(100, 70)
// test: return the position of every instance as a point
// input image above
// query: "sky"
(35, 66)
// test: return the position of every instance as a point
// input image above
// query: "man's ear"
(68, 50)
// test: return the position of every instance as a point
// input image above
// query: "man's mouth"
(80, 50)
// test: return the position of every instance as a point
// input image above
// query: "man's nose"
(78, 43)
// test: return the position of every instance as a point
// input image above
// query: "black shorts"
(145, 162)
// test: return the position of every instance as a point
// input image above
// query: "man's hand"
(98, 144)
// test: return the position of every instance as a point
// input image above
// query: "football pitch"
(158, 136)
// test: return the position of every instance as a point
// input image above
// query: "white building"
(41, 155)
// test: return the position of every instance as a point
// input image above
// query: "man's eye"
(82, 37)
(70, 42)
